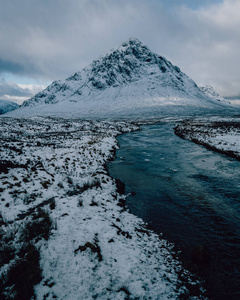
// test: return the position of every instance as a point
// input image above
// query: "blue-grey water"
(188, 193)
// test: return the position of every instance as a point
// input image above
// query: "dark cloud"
(11, 67)
(50, 39)
(16, 68)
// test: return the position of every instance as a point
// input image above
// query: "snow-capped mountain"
(210, 92)
(129, 79)
(6, 106)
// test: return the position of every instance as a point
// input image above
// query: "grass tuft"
(22, 276)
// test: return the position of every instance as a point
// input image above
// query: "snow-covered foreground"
(221, 135)
(65, 231)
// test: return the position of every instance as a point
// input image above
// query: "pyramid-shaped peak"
(132, 42)
(126, 64)
(131, 52)
(129, 76)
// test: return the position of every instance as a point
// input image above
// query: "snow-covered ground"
(65, 231)
(219, 134)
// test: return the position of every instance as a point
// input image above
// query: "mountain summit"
(129, 79)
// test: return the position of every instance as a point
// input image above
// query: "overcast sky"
(46, 40)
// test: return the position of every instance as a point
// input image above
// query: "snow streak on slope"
(131, 77)
(64, 226)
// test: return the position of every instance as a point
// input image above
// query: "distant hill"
(210, 92)
(131, 79)
(6, 106)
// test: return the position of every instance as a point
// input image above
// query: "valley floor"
(65, 231)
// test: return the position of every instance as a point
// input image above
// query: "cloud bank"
(49, 40)
(18, 92)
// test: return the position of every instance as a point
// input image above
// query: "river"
(189, 194)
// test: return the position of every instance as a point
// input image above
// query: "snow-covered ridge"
(132, 77)
(65, 231)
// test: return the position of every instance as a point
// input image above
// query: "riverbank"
(222, 136)
(65, 231)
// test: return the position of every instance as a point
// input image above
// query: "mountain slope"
(6, 106)
(129, 78)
